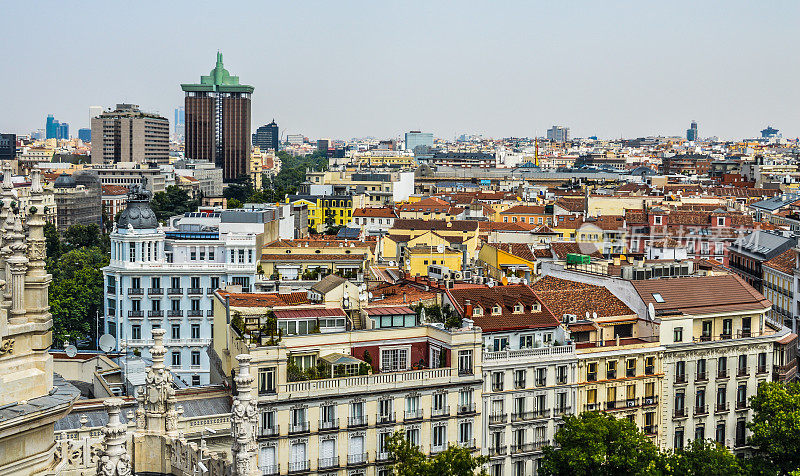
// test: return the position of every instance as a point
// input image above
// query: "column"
(114, 459)
(243, 421)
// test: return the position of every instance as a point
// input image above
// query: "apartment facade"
(127, 134)
(164, 279)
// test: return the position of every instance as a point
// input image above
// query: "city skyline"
(606, 70)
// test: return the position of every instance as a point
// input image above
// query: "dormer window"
(477, 311)
(657, 220)
(496, 310)
(535, 307)
(518, 308)
(720, 221)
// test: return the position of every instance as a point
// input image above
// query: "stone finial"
(113, 457)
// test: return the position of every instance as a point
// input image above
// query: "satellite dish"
(107, 342)
(71, 351)
(651, 311)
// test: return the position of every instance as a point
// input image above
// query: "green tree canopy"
(410, 461)
(703, 458)
(776, 427)
(173, 201)
(597, 444)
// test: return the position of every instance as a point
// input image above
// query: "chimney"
(467, 308)
(404, 297)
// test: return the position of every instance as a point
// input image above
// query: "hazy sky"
(351, 69)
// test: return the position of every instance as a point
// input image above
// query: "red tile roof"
(784, 262)
(419, 224)
(506, 297)
(312, 257)
(520, 250)
(524, 210)
(375, 212)
(389, 311)
(264, 299)
(572, 297)
(562, 248)
(702, 294)
(114, 190)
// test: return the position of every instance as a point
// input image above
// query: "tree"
(234, 203)
(410, 461)
(598, 444)
(701, 458)
(240, 190)
(83, 236)
(76, 292)
(52, 241)
(173, 201)
(776, 426)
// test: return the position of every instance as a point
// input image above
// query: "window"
(721, 397)
(327, 413)
(266, 380)
(630, 368)
(720, 434)
(746, 322)
(195, 331)
(176, 358)
(519, 378)
(561, 374)
(176, 331)
(762, 362)
(193, 255)
(678, 442)
(136, 331)
(680, 371)
(465, 362)
(722, 367)
(497, 381)
(241, 256)
(706, 330)
(176, 283)
(658, 298)
(439, 436)
(525, 342)
(677, 334)
(541, 376)
(611, 369)
(496, 310)
(700, 432)
(727, 328)
(155, 305)
(465, 397)
(412, 436)
(385, 409)
(176, 305)
(132, 252)
(591, 371)
(591, 399)
(393, 360)
(657, 220)
(701, 369)
(214, 282)
(211, 254)
(500, 343)
(195, 380)
(561, 402)
(196, 358)
(465, 432)
(741, 396)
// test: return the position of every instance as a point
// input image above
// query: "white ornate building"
(163, 278)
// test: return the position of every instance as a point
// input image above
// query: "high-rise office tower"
(63, 131)
(127, 134)
(51, 127)
(94, 111)
(691, 132)
(267, 137)
(85, 134)
(179, 125)
(416, 139)
(218, 121)
(558, 134)
(8, 146)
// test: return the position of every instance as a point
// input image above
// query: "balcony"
(631, 403)
(135, 291)
(299, 467)
(558, 411)
(329, 424)
(210, 290)
(383, 456)
(357, 459)
(679, 413)
(155, 313)
(761, 369)
(630, 372)
(270, 470)
(175, 313)
(591, 407)
(522, 448)
(464, 371)
(325, 463)
(651, 430)
(437, 448)
(701, 377)
(652, 400)
(301, 427)
(357, 422)
(174, 291)
(498, 450)
(561, 379)
(611, 374)
(497, 386)
(649, 369)
(722, 407)
(540, 413)
(387, 419)
(413, 415)
(194, 313)
(440, 412)
(209, 313)
(722, 373)
(700, 410)
(155, 291)
(679, 379)
(614, 405)
(194, 291)
(468, 443)
(591, 376)
(521, 416)
(519, 384)
(135, 313)
(741, 405)
(270, 431)
(466, 408)
(742, 372)
(498, 419)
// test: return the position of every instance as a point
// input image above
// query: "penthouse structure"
(218, 121)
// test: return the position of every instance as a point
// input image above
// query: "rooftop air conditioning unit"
(569, 318)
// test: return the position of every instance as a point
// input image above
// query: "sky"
(348, 69)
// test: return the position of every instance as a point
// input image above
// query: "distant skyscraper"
(63, 131)
(38, 134)
(8, 146)
(218, 121)
(558, 134)
(415, 139)
(85, 134)
(94, 111)
(267, 137)
(769, 133)
(51, 127)
(127, 134)
(179, 125)
(691, 132)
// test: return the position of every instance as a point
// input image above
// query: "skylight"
(658, 297)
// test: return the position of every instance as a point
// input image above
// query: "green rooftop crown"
(218, 80)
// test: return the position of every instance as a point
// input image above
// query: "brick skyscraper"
(218, 121)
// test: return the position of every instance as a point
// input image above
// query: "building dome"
(65, 181)
(138, 213)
